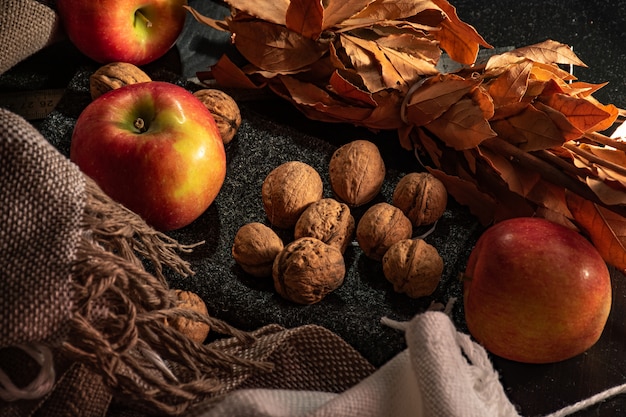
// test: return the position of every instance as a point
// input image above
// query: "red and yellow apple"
(133, 31)
(535, 291)
(153, 147)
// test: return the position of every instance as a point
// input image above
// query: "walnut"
(255, 247)
(307, 270)
(327, 220)
(224, 109)
(421, 196)
(193, 329)
(357, 172)
(113, 76)
(380, 227)
(413, 267)
(289, 189)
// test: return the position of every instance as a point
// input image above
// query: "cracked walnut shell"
(356, 171)
(288, 190)
(113, 76)
(413, 267)
(224, 109)
(380, 227)
(421, 196)
(255, 247)
(307, 270)
(329, 221)
(193, 329)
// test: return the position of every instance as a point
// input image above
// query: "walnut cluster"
(312, 265)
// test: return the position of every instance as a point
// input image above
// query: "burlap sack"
(77, 292)
(27, 26)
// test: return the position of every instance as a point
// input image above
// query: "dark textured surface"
(272, 133)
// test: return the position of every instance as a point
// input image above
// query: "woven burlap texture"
(26, 26)
(75, 282)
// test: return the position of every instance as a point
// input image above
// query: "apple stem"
(140, 125)
(143, 18)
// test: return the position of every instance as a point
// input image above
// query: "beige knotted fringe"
(120, 325)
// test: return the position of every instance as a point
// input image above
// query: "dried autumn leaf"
(350, 91)
(229, 75)
(547, 52)
(530, 130)
(462, 126)
(273, 47)
(582, 113)
(434, 96)
(460, 40)
(272, 11)
(337, 11)
(393, 9)
(305, 17)
(510, 86)
(480, 204)
(370, 62)
(606, 229)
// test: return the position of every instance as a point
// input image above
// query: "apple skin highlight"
(536, 291)
(171, 172)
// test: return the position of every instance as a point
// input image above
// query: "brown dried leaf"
(213, 23)
(510, 87)
(606, 229)
(340, 85)
(337, 11)
(530, 130)
(272, 11)
(582, 113)
(305, 17)
(371, 63)
(228, 75)
(394, 10)
(460, 40)
(273, 47)
(480, 204)
(435, 96)
(547, 52)
(462, 126)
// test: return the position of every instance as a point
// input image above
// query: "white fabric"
(432, 377)
(442, 373)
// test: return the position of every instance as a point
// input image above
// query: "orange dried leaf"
(530, 130)
(510, 86)
(371, 63)
(393, 9)
(462, 126)
(583, 89)
(545, 72)
(337, 11)
(582, 113)
(229, 75)
(349, 91)
(305, 17)
(605, 228)
(273, 47)
(272, 11)
(568, 130)
(547, 52)
(213, 23)
(435, 96)
(460, 40)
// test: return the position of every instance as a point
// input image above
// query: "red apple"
(535, 291)
(133, 31)
(155, 148)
